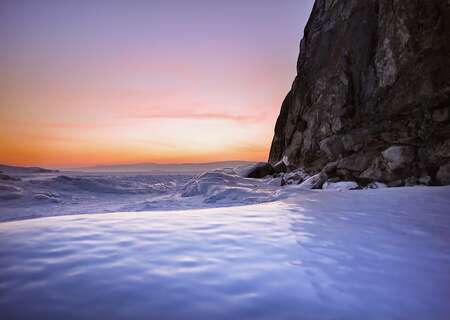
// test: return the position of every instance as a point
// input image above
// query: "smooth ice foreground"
(372, 254)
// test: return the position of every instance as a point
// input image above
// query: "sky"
(109, 82)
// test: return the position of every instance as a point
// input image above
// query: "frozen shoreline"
(64, 193)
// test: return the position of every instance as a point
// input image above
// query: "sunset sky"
(106, 82)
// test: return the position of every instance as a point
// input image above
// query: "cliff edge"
(371, 99)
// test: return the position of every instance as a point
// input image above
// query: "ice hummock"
(39, 195)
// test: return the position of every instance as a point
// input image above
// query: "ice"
(74, 193)
(10, 188)
(367, 254)
(49, 194)
(340, 186)
(102, 185)
(45, 197)
(10, 192)
(218, 245)
(229, 187)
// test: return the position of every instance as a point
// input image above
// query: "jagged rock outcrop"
(260, 170)
(372, 94)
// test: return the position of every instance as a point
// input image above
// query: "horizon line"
(126, 164)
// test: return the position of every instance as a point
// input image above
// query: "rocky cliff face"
(371, 99)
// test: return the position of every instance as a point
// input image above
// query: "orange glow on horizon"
(33, 155)
(133, 82)
(59, 146)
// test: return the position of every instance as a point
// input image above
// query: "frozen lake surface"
(372, 254)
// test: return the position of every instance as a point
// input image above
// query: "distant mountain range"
(164, 168)
(187, 168)
(23, 170)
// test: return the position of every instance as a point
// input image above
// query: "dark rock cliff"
(371, 99)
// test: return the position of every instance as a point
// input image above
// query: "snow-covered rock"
(397, 157)
(443, 174)
(294, 177)
(314, 182)
(259, 170)
(377, 185)
(340, 186)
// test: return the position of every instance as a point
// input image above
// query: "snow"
(364, 254)
(284, 161)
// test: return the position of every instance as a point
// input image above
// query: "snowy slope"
(371, 254)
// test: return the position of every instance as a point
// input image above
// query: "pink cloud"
(206, 115)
